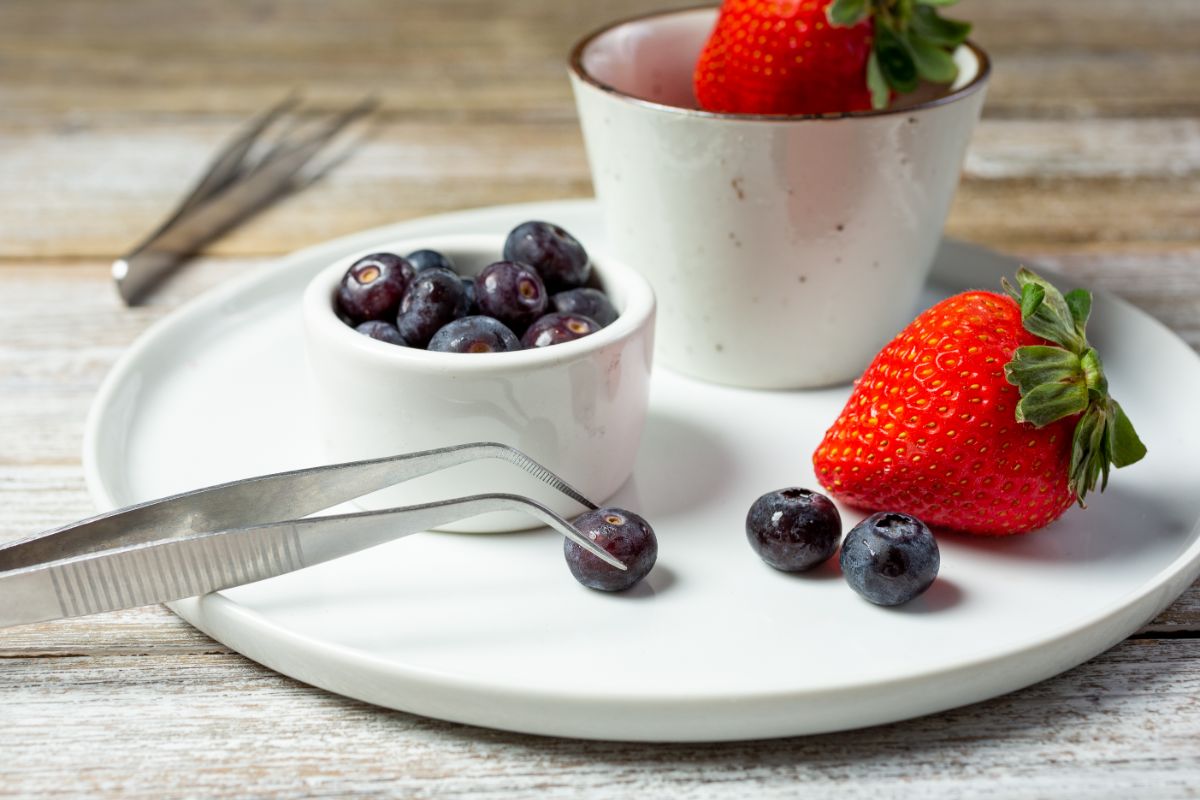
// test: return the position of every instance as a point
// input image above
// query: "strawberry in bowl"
(988, 414)
(780, 194)
(819, 57)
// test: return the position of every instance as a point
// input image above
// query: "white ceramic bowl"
(784, 251)
(576, 407)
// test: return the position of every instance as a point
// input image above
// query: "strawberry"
(821, 57)
(988, 414)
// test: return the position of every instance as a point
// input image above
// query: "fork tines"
(265, 161)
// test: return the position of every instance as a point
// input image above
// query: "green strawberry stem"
(1067, 378)
(912, 42)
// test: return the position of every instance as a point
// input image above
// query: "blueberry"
(512, 293)
(383, 331)
(474, 335)
(557, 328)
(556, 255)
(624, 535)
(794, 529)
(588, 302)
(469, 288)
(434, 298)
(373, 287)
(890, 558)
(430, 259)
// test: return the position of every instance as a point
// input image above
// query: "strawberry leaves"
(845, 13)
(1068, 380)
(913, 42)
(881, 93)
(895, 57)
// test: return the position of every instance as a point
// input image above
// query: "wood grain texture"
(1087, 161)
(1120, 726)
(92, 190)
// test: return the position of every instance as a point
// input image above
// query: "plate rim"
(1085, 637)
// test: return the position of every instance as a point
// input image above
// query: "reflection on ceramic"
(492, 630)
(784, 251)
(577, 408)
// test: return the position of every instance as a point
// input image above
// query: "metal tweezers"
(244, 531)
(253, 171)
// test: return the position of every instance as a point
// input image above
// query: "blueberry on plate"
(586, 302)
(624, 535)
(474, 335)
(890, 558)
(430, 259)
(434, 298)
(794, 529)
(512, 293)
(558, 328)
(382, 331)
(556, 255)
(373, 287)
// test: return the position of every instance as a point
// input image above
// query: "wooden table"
(1088, 161)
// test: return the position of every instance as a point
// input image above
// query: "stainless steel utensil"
(244, 531)
(253, 171)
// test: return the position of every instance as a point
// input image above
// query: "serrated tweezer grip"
(231, 534)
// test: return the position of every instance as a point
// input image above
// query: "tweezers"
(248, 175)
(244, 531)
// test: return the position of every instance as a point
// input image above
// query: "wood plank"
(97, 191)
(460, 58)
(1120, 726)
(152, 631)
(92, 191)
(1029, 212)
(1048, 150)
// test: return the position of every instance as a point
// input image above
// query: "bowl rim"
(320, 319)
(578, 71)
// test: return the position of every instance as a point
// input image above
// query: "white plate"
(492, 630)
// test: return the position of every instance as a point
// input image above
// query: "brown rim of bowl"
(575, 63)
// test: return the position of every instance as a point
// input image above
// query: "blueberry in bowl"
(557, 328)
(511, 292)
(433, 298)
(381, 331)
(578, 408)
(430, 259)
(373, 287)
(557, 256)
(417, 295)
(587, 302)
(475, 334)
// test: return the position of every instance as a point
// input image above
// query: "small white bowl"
(577, 407)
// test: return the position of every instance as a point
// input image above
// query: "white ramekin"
(577, 407)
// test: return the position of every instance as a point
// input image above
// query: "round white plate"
(492, 630)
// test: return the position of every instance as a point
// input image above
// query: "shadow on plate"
(660, 579)
(943, 594)
(1115, 524)
(680, 466)
(826, 570)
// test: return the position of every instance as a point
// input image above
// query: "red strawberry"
(822, 57)
(983, 415)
